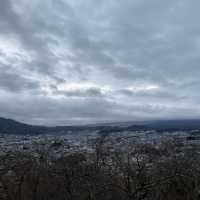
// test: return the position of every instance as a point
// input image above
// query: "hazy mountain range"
(9, 126)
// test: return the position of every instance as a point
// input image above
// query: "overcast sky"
(85, 61)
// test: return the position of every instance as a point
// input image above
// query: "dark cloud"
(90, 92)
(87, 60)
(14, 82)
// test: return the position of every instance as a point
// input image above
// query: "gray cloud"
(14, 82)
(90, 92)
(134, 59)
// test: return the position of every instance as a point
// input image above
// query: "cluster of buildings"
(57, 144)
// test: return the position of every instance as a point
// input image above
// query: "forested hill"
(9, 126)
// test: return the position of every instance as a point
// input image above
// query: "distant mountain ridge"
(9, 126)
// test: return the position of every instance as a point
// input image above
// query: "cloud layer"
(85, 61)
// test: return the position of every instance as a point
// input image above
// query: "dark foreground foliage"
(169, 170)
